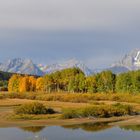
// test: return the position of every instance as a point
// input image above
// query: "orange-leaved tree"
(40, 84)
(13, 84)
(24, 84)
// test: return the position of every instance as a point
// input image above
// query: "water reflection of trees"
(90, 127)
(33, 129)
(131, 128)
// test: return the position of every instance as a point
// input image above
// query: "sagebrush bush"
(70, 113)
(102, 111)
(33, 108)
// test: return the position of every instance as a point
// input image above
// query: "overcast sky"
(97, 32)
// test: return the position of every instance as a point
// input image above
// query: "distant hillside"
(5, 76)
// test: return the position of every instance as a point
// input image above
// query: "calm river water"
(98, 131)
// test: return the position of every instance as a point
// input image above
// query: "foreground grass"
(83, 107)
(7, 107)
(33, 117)
(74, 97)
(9, 119)
(66, 110)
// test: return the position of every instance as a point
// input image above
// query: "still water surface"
(99, 131)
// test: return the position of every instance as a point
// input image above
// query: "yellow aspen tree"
(40, 84)
(24, 85)
(13, 84)
(32, 83)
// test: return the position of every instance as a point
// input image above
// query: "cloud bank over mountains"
(69, 15)
(50, 30)
(129, 62)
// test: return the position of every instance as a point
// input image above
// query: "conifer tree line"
(73, 80)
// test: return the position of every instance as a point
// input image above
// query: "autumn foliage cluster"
(65, 80)
(73, 80)
(18, 83)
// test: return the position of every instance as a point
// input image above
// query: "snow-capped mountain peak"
(26, 66)
(18, 65)
(130, 61)
(137, 59)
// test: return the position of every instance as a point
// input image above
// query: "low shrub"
(33, 108)
(102, 111)
(71, 113)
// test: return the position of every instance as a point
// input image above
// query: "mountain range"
(21, 66)
(129, 62)
(26, 66)
(68, 64)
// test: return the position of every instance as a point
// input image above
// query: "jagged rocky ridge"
(129, 62)
(22, 66)
(27, 66)
(68, 64)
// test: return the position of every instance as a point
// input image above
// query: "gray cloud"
(98, 32)
(96, 49)
(69, 14)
